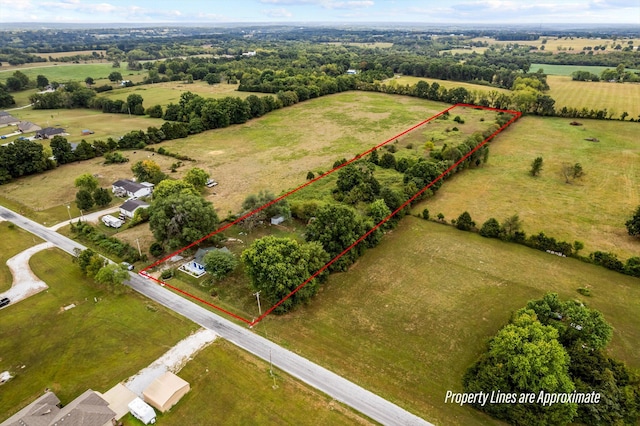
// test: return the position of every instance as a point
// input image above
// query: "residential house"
(128, 209)
(196, 266)
(7, 119)
(28, 127)
(131, 189)
(50, 132)
(89, 409)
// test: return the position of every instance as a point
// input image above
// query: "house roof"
(27, 126)
(129, 185)
(39, 413)
(203, 251)
(132, 205)
(165, 391)
(50, 131)
(6, 118)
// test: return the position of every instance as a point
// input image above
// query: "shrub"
(425, 214)
(464, 222)
(156, 249)
(491, 228)
(310, 175)
(608, 260)
(584, 291)
(167, 274)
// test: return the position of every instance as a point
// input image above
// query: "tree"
(337, 227)
(373, 157)
(310, 175)
(196, 177)
(277, 266)
(571, 171)
(388, 161)
(112, 275)
(102, 197)
(61, 150)
(425, 214)
(42, 81)
(84, 199)
(87, 181)
(464, 222)
(536, 166)
(6, 99)
(13, 84)
(524, 357)
(511, 227)
(633, 224)
(133, 100)
(22, 77)
(154, 111)
(148, 171)
(491, 229)
(115, 76)
(220, 263)
(89, 81)
(170, 187)
(212, 78)
(253, 202)
(378, 211)
(181, 219)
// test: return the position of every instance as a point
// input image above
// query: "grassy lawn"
(13, 240)
(414, 313)
(592, 210)
(165, 93)
(617, 98)
(222, 372)
(64, 71)
(94, 345)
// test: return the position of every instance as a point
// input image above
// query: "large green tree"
(148, 171)
(61, 149)
(112, 275)
(196, 177)
(87, 181)
(524, 357)
(220, 263)
(172, 187)
(277, 266)
(633, 224)
(255, 201)
(180, 219)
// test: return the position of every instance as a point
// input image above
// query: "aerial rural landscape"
(319, 212)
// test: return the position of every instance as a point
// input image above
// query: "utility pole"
(69, 211)
(139, 251)
(257, 295)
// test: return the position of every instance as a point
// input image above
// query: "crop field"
(592, 209)
(165, 93)
(221, 372)
(409, 80)
(462, 51)
(66, 72)
(414, 313)
(566, 70)
(616, 97)
(13, 241)
(113, 336)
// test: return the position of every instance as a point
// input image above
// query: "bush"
(491, 228)
(114, 158)
(464, 222)
(310, 175)
(425, 214)
(167, 274)
(156, 249)
(608, 260)
(584, 291)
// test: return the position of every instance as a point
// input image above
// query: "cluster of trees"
(90, 193)
(111, 275)
(69, 95)
(109, 245)
(556, 346)
(618, 75)
(23, 158)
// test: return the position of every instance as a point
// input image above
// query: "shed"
(86, 132)
(277, 220)
(165, 391)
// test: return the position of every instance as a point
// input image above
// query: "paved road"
(91, 217)
(337, 387)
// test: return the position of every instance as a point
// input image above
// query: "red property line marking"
(516, 115)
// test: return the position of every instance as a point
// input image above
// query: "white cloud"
(326, 4)
(277, 13)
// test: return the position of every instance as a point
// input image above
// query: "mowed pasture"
(615, 97)
(413, 314)
(103, 340)
(231, 387)
(411, 81)
(63, 71)
(592, 209)
(567, 70)
(556, 44)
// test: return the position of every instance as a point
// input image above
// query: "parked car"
(128, 266)
(4, 301)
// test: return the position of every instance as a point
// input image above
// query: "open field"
(64, 71)
(592, 210)
(380, 44)
(94, 345)
(463, 51)
(567, 70)
(165, 93)
(13, 240)
(615, 97)
(231, 387)
(408, 80)
(414, 313)
(56, 55)
(555, 44)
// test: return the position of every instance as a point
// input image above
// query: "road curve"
(337, 387)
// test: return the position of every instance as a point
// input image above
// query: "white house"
(195, 267)
(128, 209)
(131, 189)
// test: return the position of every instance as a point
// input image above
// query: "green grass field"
(62, 72)
(414, 313)
(566, 70)
(13, 240)
(557, 44)
(231, 387)
(616, 97)
(592, 210)
(94, 345)
(408, 80)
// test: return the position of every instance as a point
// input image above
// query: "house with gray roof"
(50, 132)
(195, 267)
(131, 189)
(28, 127)
(7, 119)
(129, 207)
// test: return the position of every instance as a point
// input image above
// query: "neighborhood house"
(28, 127)
(196, 266)
(7, 119)
(131, 189)
(128, 209)
(49, 132)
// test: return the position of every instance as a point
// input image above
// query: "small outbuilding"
(277, 220)
(165, 391)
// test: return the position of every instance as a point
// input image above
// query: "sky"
(538, 12)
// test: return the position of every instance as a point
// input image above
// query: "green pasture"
(592, 209)
(414, 313)
(567, 70)
(71, 72)
(448, 84)
(103, 340)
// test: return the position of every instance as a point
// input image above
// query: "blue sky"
(273, 11)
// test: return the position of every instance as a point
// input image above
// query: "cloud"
(326, 4)
(277, 13)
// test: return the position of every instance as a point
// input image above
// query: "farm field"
(564, 43)
(616, 97)
(221, 373)
(165, 93)
(567, 70)
(414, 313)
(56, 55)
(113, 338)
(13, 240)
(592, 210)
(409, 80)
(64, 71)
